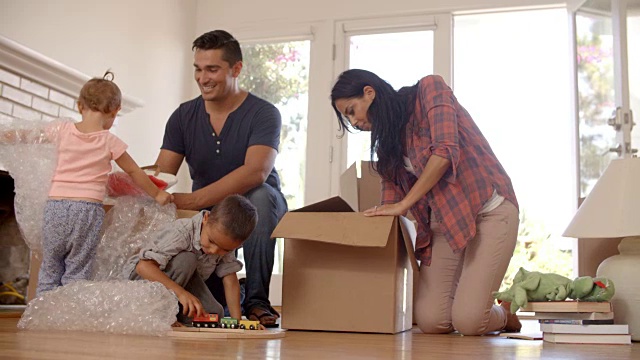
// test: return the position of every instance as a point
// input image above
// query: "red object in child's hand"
(121, 184)
(161, 184)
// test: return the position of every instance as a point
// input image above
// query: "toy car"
(210, 321)
(249, 324)
(228, 322)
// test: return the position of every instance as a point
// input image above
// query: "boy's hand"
(164, 197)
(191, 305)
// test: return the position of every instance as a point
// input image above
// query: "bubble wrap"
(118, 307)
(126, 228)
(28, 153)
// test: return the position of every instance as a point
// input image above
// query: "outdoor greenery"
(278, 73)
(274, 71)
(535, 252)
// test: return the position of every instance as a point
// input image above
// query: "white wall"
(146, 43)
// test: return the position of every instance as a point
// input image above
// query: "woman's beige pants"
(454, 293)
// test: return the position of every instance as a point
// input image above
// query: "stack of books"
(578, 322)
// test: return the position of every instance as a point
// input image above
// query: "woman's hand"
(388, 209)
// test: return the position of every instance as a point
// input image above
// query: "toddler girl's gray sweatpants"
(71, 234)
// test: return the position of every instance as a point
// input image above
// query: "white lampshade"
(612, 209)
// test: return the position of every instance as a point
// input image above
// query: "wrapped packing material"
(119, 307)
(127, 227)
(28, 152)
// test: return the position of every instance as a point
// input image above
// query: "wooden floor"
(65, 345)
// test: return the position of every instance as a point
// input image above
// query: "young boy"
(187, 251)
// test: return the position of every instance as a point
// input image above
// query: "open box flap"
(334, 204)
(369, 194)
(344, 228)
(409, 234)
(349, 187)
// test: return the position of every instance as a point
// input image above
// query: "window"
(279, 73)
(515, 85)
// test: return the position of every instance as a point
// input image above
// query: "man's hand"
(191, 305)
(186, 201)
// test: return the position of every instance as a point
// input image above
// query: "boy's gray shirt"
(183, 235)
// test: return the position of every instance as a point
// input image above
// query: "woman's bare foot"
(513, 323)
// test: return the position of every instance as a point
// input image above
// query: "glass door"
(606, 35)
(633, 54)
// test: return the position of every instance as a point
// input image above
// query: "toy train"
(213, 321)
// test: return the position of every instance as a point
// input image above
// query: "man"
(230, 140)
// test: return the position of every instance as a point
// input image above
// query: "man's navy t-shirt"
(211, 156)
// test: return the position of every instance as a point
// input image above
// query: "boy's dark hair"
(220, 39)
(237, 216)
(101, 94)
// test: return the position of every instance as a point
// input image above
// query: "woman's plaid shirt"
(440, 126)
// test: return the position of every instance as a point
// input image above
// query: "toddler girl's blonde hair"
(101, 94)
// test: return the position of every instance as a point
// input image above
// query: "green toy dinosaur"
(536, 286)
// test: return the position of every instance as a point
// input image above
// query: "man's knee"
(262, 197)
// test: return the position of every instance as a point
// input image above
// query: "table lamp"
(612, 210)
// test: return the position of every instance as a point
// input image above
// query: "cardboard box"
(344, 271)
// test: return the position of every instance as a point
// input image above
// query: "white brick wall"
(45, 106)
(62, 99)
(9, 78)
(23, 98)
(34, 88)
(5, 106)
(26, 113)
(16, 95)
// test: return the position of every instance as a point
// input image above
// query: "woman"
(434, 161)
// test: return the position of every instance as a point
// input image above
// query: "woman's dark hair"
(388, 113)
(220, 39)
(237, 216)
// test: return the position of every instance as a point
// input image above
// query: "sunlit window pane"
(511, 72)
(279, 73)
